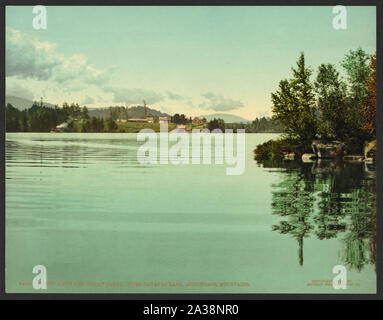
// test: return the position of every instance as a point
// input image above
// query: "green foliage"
(369, 104)
(43, 118)
(294, 105)
(356, 65)
(336, 112)
(216, 124)
(259, 125)
(118, 113)
(13, 115)
(357, 68)
(134, 127)
(24, 122)
(331, 102)
(90, 125)
(111, 125)
(179, 119)
(85, 113)
(276, 149)
(122, 112)
(72, 110)
(97, 124)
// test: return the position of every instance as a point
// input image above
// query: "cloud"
(177, 97)
(88, 100)
(219, 103)
(134, 96)
(29, 58)
(17, 90)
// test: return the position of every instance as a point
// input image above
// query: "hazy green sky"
(193, 60)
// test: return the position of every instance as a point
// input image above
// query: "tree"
(97, 124)
(24, 120)
(331, 102)
(216, 124)
(357, 69)
(12, 123)
(85, 126)
(179, 119)
(369, 104)
(85, 113)
(294, 105)
(111, 125)
(113, 113)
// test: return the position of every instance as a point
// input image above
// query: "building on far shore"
(163, 120)
(199, 120)
(146, 120)
(121, 120)
(60, 127)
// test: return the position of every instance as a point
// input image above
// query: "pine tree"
(294, 105)
(332, 103)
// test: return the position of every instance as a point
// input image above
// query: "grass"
(134, 127)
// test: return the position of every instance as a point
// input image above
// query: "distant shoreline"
(116, 132)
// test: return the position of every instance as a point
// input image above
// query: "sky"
(191, 60)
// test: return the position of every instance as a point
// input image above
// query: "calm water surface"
(82, 205)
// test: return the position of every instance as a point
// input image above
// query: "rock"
(370, 168)
(308, 157)
(289, 156)
(324, 149)
(353, 158)
(370, 151)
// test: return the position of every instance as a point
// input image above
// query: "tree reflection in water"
(327, 200)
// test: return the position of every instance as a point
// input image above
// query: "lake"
(99, 221)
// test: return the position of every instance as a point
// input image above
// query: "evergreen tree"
(357, 69)
(331, 102)
(25, 126)
(12, 123)
(85, 113)
(294, 105)
(216, 124)
(112, 126)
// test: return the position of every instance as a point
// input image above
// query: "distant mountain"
(21, 103)
(133, 112)
(228, 118)
(136, 112)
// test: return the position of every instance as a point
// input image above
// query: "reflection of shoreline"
(328, 199)
(326, 166)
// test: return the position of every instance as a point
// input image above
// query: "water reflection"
(328, 200)
(69, 153)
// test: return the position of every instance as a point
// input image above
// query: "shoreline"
(116, 132)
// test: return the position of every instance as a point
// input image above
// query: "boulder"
(370, 151)
(308, 157)
(289, 156)
(324, 149)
